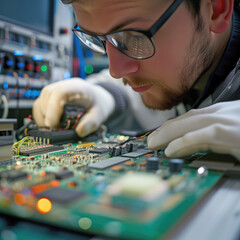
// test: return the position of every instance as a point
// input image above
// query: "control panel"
(31, 58)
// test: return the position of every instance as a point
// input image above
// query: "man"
(175, 55)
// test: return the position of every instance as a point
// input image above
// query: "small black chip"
(63, 174)
(108, 163)
(60, 195)
(99, 150)
(138, 153)
(13, 175)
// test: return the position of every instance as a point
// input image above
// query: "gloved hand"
(215, 128)
(48, 108)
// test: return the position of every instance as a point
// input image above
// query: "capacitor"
(175, 165)
(152, 163)
(202, 171)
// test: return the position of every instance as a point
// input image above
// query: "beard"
(198, 60)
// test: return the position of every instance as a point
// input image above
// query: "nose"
(120, 65)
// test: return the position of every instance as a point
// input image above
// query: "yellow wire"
(21, 142)
(145, 134)
(26, 131)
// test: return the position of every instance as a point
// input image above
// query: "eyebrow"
(113, 29)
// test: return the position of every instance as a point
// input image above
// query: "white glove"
(215, 128)
(48, 108)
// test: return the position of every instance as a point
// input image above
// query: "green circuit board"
(101, 187)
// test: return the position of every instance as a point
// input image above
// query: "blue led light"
(18, 53)
(20, 64)
(9, 63)
(67, 75)
(34, 93)
(37, 57)
(28, 93)
(5, 85)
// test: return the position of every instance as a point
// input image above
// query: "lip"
(141, 89)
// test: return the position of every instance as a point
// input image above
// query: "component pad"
(86, 188)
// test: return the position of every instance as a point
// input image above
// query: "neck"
(219, 43)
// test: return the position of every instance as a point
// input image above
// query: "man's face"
(182, 51)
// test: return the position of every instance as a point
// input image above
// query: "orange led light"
(42, 174)
(55, 183)
(72, 184)
(39, 188)
(44, 205)
(19, 199)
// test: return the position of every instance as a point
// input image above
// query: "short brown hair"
(194, 4)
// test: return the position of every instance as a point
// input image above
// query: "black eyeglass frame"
(148, 33)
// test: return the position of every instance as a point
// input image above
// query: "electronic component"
(175, 165)
(115, 151)
(108, 162)
(40, 150)
(99, 150)
(12, 175)
(60, 195)
(63, 174)
(71, 116)
(136, 191)
(62, 136)
(152, 163)
(55, 137)
(134, 185)
(129, 163)
(6, 139)
(131, 147)
(202, 171)
(138, 153)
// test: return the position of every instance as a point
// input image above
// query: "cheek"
(172, 47)
(172, 43)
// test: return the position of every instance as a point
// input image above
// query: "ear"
(221, 15)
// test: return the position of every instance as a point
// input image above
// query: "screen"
(35, 14)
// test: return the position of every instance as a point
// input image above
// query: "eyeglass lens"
(132, 43)
(91, 42)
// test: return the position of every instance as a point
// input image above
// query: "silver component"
(202, 171)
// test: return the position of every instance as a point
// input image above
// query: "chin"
(162, 102)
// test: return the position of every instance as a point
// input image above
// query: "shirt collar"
(227, 62)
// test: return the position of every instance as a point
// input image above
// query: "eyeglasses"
(134, 43)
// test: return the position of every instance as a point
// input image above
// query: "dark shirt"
(228, 62)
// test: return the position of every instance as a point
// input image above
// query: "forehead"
(99, 16)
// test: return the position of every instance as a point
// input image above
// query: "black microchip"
(13, 175)
(42, 150)
(60, 195)
(138, 153)
(63, 174)
(99, 150)
(108, 163)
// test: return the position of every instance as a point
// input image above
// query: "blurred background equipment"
(35, 49)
